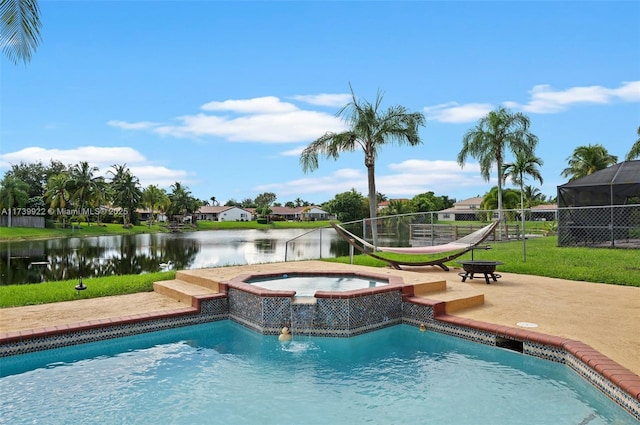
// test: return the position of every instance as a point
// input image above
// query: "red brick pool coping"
(618, 375)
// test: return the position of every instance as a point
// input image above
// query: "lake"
(70, 258)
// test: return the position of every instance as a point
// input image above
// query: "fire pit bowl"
(486, 267)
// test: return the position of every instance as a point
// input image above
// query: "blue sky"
(223, 96)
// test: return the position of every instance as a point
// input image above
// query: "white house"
(463, 210)
(311, 212)
(223, 213)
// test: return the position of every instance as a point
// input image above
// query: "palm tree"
(525, 163)
(491, 199)
(20, 29)
(488, 141)
(83, 183)
(126, 192)
(13, 193)
(101, 193)
(154, 197)
(370, 129)
(635, 149)
(181, 201)
(587, 160)
(533, 196)
(57, 193)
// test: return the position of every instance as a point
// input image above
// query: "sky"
(222, 96)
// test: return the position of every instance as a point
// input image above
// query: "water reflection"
(61, 259)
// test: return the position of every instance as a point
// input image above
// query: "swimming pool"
(307, 286)
(224, 373)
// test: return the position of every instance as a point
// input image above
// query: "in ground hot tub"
(308, 285)
(326, 303)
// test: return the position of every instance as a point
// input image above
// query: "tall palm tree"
(19, 29)
(154, 197)
(587, 160)
(101, 193)
(126, 192)
(489, 140)
(635, 149)
(13, 193)
(83, 184)
(525, 164)
(57, 193)
(370, 129)
(181, 201)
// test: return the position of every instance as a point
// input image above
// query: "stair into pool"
(190, 284)
(455, 295)
(186, 286)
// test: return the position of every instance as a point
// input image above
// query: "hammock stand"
(458, 247)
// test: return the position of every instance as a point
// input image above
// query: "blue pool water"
(306, 286)
(222, 373)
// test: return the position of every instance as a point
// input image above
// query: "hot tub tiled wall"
(345, 314)
(207, 310)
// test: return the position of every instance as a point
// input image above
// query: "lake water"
(61, 259)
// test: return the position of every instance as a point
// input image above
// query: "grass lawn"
(27, 233)
(64, 290)
(545, 258)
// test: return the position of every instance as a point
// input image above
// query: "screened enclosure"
(601, 209)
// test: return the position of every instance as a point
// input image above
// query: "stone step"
(457, 296)
(181, 290)
(197, 279)
(420, 289)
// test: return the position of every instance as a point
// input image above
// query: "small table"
(486, 267)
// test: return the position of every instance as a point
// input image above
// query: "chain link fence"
(613, 226)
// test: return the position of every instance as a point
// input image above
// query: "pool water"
(222, 373)
(306, 286)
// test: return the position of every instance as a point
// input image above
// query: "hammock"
(462, 246)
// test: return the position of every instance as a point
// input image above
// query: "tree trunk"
(373, 206)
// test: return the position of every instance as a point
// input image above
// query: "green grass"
(27, 233)
(64, 290)
(545, 258)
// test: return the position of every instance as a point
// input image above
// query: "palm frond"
(20, 31)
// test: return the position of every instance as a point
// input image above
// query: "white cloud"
(285, 127)
(158, 175)
(325, 99)
(142, 125)
(92, 154)
(101, 157)
(293, 152)
(545, 100)
(261, 120)
(402, 180)
(258, 105)
(452, 112)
